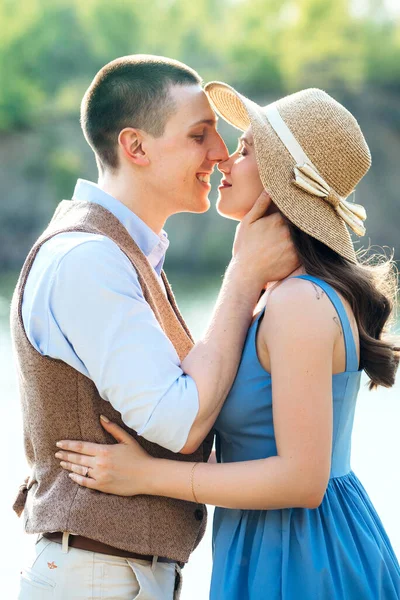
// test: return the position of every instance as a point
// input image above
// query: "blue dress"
(338, 551)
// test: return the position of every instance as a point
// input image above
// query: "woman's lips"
(224, 184)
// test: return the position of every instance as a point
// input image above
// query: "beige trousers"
(62, 573)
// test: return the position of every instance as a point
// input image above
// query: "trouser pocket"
(156, 581)
(34, 585)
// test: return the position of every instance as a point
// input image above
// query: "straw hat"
(310, 153)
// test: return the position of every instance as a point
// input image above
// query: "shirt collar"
(153, 246)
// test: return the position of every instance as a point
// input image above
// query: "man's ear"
(131, 142)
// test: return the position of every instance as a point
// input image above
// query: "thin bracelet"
(192, 482)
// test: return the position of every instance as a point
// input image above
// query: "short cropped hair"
(131, 91)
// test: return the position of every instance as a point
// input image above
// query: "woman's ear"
(131, 142)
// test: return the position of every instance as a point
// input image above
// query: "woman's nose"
(225, 165)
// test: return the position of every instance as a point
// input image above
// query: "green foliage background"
(51, 49)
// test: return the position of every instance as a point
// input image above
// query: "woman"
(294, 521)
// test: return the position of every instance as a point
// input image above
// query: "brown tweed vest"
(58, 403)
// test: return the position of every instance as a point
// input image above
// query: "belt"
(83, 543)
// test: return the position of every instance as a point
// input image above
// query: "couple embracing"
(120, 405)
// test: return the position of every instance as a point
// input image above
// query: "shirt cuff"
(172, 419)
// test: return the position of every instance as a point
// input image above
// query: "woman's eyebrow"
(244, 139)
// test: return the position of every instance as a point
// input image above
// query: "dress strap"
(350, 346)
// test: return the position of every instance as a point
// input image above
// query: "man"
(96, 331)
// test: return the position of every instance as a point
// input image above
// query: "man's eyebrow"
(205, 122)
(244, 139)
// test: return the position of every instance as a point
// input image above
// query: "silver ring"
(87, 472)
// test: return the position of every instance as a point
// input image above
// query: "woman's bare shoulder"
(295, 291)
(299, 303)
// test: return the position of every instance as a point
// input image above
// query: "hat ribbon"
(308, 179)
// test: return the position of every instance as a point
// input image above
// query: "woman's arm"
(300, 333)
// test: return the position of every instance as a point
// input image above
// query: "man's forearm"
(263, 252)
(214, 360)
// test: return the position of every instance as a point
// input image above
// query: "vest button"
(198, 514)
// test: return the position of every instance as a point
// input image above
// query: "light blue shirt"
(83, 304)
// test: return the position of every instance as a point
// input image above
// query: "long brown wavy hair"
(370, 287)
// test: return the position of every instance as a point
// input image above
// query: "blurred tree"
(113, 28)
(322, 43)
(250, 43)
(18, 95)
(50, 49)
(381, 40)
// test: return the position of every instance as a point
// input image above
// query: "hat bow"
(308, 179)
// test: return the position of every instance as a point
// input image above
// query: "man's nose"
(218, 152)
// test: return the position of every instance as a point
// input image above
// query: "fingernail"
(103, 418)
(58, 455)
(59, 444)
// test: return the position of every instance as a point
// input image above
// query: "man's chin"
(197, 207)
(202, 210)
(201, 206)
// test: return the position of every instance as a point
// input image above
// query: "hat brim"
(275, 164)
